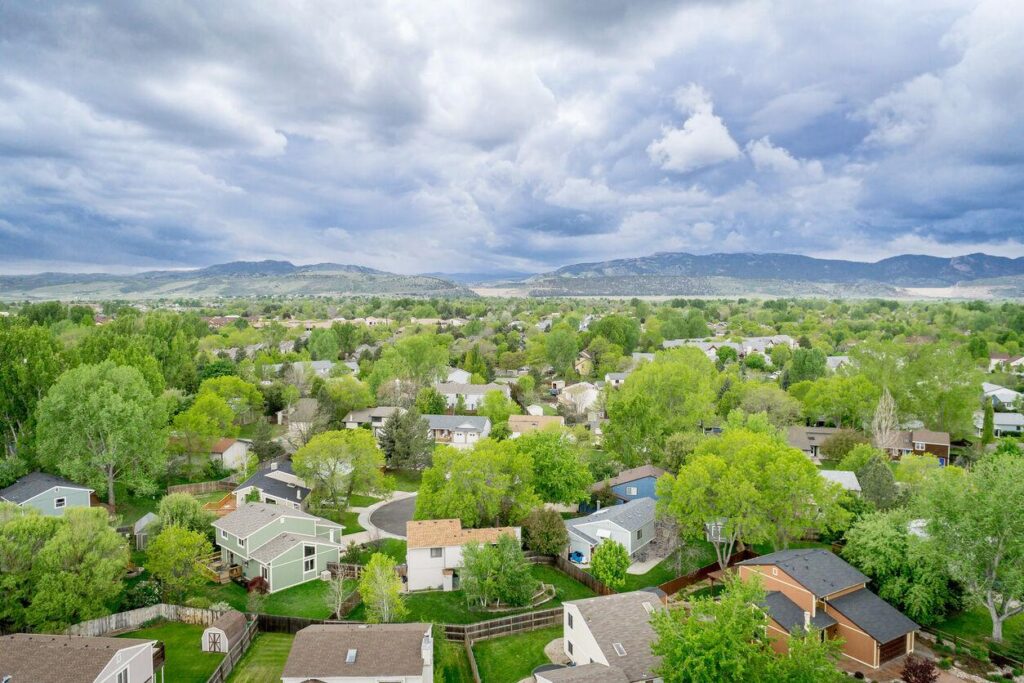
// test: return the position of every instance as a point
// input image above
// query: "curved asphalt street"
(391, 517)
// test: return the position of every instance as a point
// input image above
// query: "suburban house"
(630, 524)
(615, 379)
(283, 545)
(277, 485)
(300, 416)
(1001, 397)
(1005, 361)
(631, 484)
(833, 363)
(458, 376)
(814, 588)
(47, 493)
(40, 658)
(224, 633)
(579, 397)
(524, 424)
(809, 439)
(374, 418)
(434, 551)
(608, 639)
(920, 442)
(361, 653)
(584, 364)
(749, 345)
(640, 357)
(472, 394)
(848, 480)
(231, 454)
(1003, 424)
(318, 368)
(460, 431)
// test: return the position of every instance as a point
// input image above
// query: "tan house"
(434, 551)
(813, 588)
(524, 424)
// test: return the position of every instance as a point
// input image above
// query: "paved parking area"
(391, 517)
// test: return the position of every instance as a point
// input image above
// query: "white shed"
(221, 635)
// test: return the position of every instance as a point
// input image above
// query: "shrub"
(544, 532)
(919, 670)
(142, 594)
(198, 601)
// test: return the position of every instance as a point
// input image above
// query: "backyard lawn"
(406, 480)
(513, 658)
(450, 607)
(975, 624)
(362, 501)
(185, 661)
(393, 547)
(666, 569)
(452, 662)
(264, 661)
(305, 600)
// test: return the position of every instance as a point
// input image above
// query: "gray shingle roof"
(789, 615)
(384, 650)
(275, 487)
(817, 570)
(34, 483)
(848, 480)
(622, 618)
(873, 615)
(451, 422)
(233, 623)
(629, 475)
(586, 673)
(448, 388)
(284, 542)
(630, 516)
(39, 658)
(250, 517)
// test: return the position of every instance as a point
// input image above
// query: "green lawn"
(513, 658)
(350, 520)
(406, 480)
(264, 660)
(186, 661)
(249, 431)
(129, 507)
(389, 546)
(666, 569)
(451, 662)
(976, 625)
(362, 501)
(450, 607)
(305, 600)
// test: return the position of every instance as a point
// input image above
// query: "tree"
(544, 532)
(78, 571)
(429, 401)
(490, 484)
(844, 401)
(406, 441)
(620, 330)
(381, 589)
(419, 358)
(323, 345)
(339, 464)
(885, 425)
(23, 535)
(245, 399)
(185, 511)
(497, 407)
(980, 531)
(496, 574)
(725, 355)
(859, 456)
(100, 425)
(263, 443)
(339, 396)
(919, 670)
(839, 445)
(609, 562)
(338, 591)
(560, 474)
(29, 364)
(988, 425)
(173, 558)
(878, 484)
(781, 408)
(208, 419)
(560, 348)
(806, 364)
(905, 569)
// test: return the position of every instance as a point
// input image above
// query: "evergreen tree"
(406, 442)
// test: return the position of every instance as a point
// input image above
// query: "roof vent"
(350, 658)
(619, 650)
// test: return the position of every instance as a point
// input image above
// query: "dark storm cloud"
(462, 136)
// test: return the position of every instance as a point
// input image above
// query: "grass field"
(362, 501)
(975, 624)
(513, 658)
(264, 661)
(305, 600)
(186, 662)
(406, 480)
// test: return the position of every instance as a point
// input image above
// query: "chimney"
(273, 466)
(807, 621)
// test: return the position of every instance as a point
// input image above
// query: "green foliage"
(381, 589)
(323, 345)
(405, 440)
(338, 396)
(544, 532)
(173, 556)
(781, 409)
(841, 444)
(490, 484)
(420, 358)
(29, 363)
(496, 574)
(620, 330)
(101, 425)
(497, 407)
(560, 473)
(806, 364)
(185, 511)
(988, 425)
(340, 464)
(429, 401)
(845, 401)
(877, 482)
(859, 456)
(609, 562)
(208, 419)
(243, 397)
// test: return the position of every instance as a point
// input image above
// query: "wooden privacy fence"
(567, 567)
(136, 618)
(227, 665)
(677, 584)
(346, 569)
(517, 623)
(202, 487)
(997, 658)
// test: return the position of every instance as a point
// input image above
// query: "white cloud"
(768, 157)
(703, 140)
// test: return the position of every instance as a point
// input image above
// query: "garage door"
(892, 649)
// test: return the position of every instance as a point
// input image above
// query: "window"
(265, 573)
(241, 543)
(122, 675)
(631, 491)
(58, 503)
(775, 571)
(918, 445)
(223, 534)
(309, 558)
(568, 644)
(639, 534)
(569, 619)
(619, 650)
(435, 552)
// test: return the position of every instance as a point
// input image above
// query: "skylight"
(619, 650)
(649, 607)
(350, 658)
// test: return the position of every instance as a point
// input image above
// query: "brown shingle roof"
(381, 650)
(433, 533)
(521, 424)
(222, 445)
(233, 624)
(38, 658)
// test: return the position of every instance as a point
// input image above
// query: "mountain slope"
(237, 279)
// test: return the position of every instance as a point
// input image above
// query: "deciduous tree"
(560, 473)
(381, 589)
(544, 532)
(609, 562)
(338, 464)
(173, 557)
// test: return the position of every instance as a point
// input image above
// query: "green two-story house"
(47, 493)
(283, 545)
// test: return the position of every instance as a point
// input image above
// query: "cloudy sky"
(486, 136)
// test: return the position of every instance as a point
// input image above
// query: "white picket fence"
(133, 619)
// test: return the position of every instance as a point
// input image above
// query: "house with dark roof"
(372, 418)
(637, 482)
(809, 439)
(921, 442)
(276, 485)
(283, 545)
(631, 524)
(814, 588)
(360, 653)
(460, 431)
(40, 658)
(608, 639)
(49, 494)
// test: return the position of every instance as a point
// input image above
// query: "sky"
(517, 136)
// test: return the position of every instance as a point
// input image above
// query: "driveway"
(392, 516)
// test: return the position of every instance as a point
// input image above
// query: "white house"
(630, 524)
(434, 551)
(1005, 361)
(232, 454)
(41, 658)
(608, 639)
(472, 394)
(579, 397)
(1003, 424)
(1001, 397)
(458, 376)
(615, 379)
(361, 653)
(460, 431)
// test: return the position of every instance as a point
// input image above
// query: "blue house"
(631, 484)
(49, 494)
